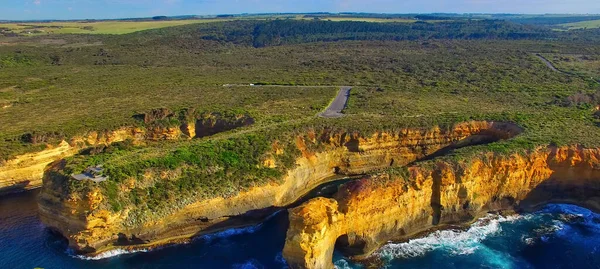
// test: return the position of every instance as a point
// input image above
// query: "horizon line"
(210, 16)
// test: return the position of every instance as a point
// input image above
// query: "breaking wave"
(208, 238)
(229, 233)
(456, 242)
(105, 255)
(342, 264)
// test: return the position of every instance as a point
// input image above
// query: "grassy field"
(403, 76)
(366, 19)
(99, 27)
(129, 26)
(99, 87)
(581, 25)
(126, 27)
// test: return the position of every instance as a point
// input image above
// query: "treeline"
(359, 15)
(290, 31)
(549, 20)
(259, 33)
(280, 32)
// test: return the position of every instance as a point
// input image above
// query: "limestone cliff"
(25, 172)
(323, 156)
(368, 213)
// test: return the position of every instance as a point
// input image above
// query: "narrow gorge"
(365, 214)
(92, 227)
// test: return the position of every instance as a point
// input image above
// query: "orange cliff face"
(25, 172)
(370, 212)
(92, 230)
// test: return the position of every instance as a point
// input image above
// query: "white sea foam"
(237, 231)
(106, 255)
(230, 232)
(456, 242)
(341, 264)
(528, 240)
(208, 238)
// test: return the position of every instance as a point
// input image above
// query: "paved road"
(339, 103)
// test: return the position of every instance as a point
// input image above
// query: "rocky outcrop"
(195, 124)
(324, 155)
(367, 213)
(215, 123)
(25, 172)
(211, 124)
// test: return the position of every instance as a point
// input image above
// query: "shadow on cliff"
(327, 190)
(570, 183)
(581, 192)
(427, 150)
(578, 186)
(19, 187)
(496, 131)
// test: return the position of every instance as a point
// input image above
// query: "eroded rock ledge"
(25, 172)
(92, 230)
(367, 213)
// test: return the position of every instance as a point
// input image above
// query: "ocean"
(558, 236)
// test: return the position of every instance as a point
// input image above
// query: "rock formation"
(367, 213)
(93, 230)
(25, 172)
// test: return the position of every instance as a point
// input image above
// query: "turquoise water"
(560, 236)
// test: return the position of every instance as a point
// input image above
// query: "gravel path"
(339, 103)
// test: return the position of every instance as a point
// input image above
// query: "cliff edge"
(92, 226)
(367, 213)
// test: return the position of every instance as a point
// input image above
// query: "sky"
(111, 9)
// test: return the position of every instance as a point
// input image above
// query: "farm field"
(405, 20)
(582, 25)
(94, 27)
